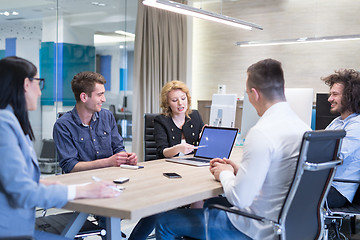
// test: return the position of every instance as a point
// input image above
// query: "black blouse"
(167, 134)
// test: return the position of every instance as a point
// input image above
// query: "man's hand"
(218, 165)
(132, 159)
(118, 158)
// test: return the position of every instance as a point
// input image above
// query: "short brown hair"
(164, 102)
(350, 79)
(85, 82)
(267, 76)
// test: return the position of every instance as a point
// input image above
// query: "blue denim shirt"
(350, 153)
(77, 142)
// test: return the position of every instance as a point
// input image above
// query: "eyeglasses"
(41, 83)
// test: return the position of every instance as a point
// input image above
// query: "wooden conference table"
(148, 192)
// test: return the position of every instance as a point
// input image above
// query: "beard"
(341, 109)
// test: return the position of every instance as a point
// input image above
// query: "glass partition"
(63, 38)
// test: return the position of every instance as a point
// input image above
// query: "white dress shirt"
(270, 154)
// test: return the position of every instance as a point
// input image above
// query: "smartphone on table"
(172, 175)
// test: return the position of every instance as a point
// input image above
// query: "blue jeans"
(40, 235)
(336, 199)
(191, 223)
(142, 229)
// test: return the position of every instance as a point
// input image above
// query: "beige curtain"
(159, 57)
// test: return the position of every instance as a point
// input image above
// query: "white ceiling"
(82, 13)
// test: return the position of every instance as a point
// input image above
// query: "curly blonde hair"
(164, 101)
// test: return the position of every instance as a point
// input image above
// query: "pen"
(201, 146)
(96, 179)
(130, 166)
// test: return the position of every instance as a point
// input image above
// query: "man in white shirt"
(260, 182)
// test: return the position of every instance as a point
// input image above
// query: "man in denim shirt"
(87, 136)
(345, 100)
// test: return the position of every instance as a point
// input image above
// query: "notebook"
(215, 142)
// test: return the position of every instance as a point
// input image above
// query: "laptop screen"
(216, 142)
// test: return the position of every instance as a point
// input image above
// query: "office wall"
(217, 60)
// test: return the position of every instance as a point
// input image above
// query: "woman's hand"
(185, 148)
(102, 189)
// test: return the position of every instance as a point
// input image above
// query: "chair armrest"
(345, 180)
(236, 211)
(320, 166)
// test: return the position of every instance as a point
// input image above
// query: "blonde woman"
(178, 128)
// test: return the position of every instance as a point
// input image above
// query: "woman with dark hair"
(177, 129)
(21, 187)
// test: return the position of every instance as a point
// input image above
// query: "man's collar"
(77, 119)
(348, 117)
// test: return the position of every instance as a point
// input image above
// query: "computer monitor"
(249, 117)
(323, 115)
(299, 99)
(223, 110)
(301, 102)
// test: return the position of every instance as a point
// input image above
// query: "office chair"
(301, 216)
(112, 109)
(59, 114)
(149, 139)
(337, 215)
(56, 223)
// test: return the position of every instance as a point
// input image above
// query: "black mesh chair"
(337, 215)
(56, 223)
(149, 139)
(302, 215)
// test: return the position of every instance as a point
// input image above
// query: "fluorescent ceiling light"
(299, 41)
(125, 33)
(199, 13)
(111, 39)
(6, 13)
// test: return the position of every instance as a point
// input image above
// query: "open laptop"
(215, 142)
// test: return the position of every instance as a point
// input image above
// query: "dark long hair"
(13, 71)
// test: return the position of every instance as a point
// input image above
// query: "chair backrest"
(302, 213)
(112, 109)
(149, 139)
(59, 114)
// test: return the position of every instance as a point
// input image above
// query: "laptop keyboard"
(197, 159)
